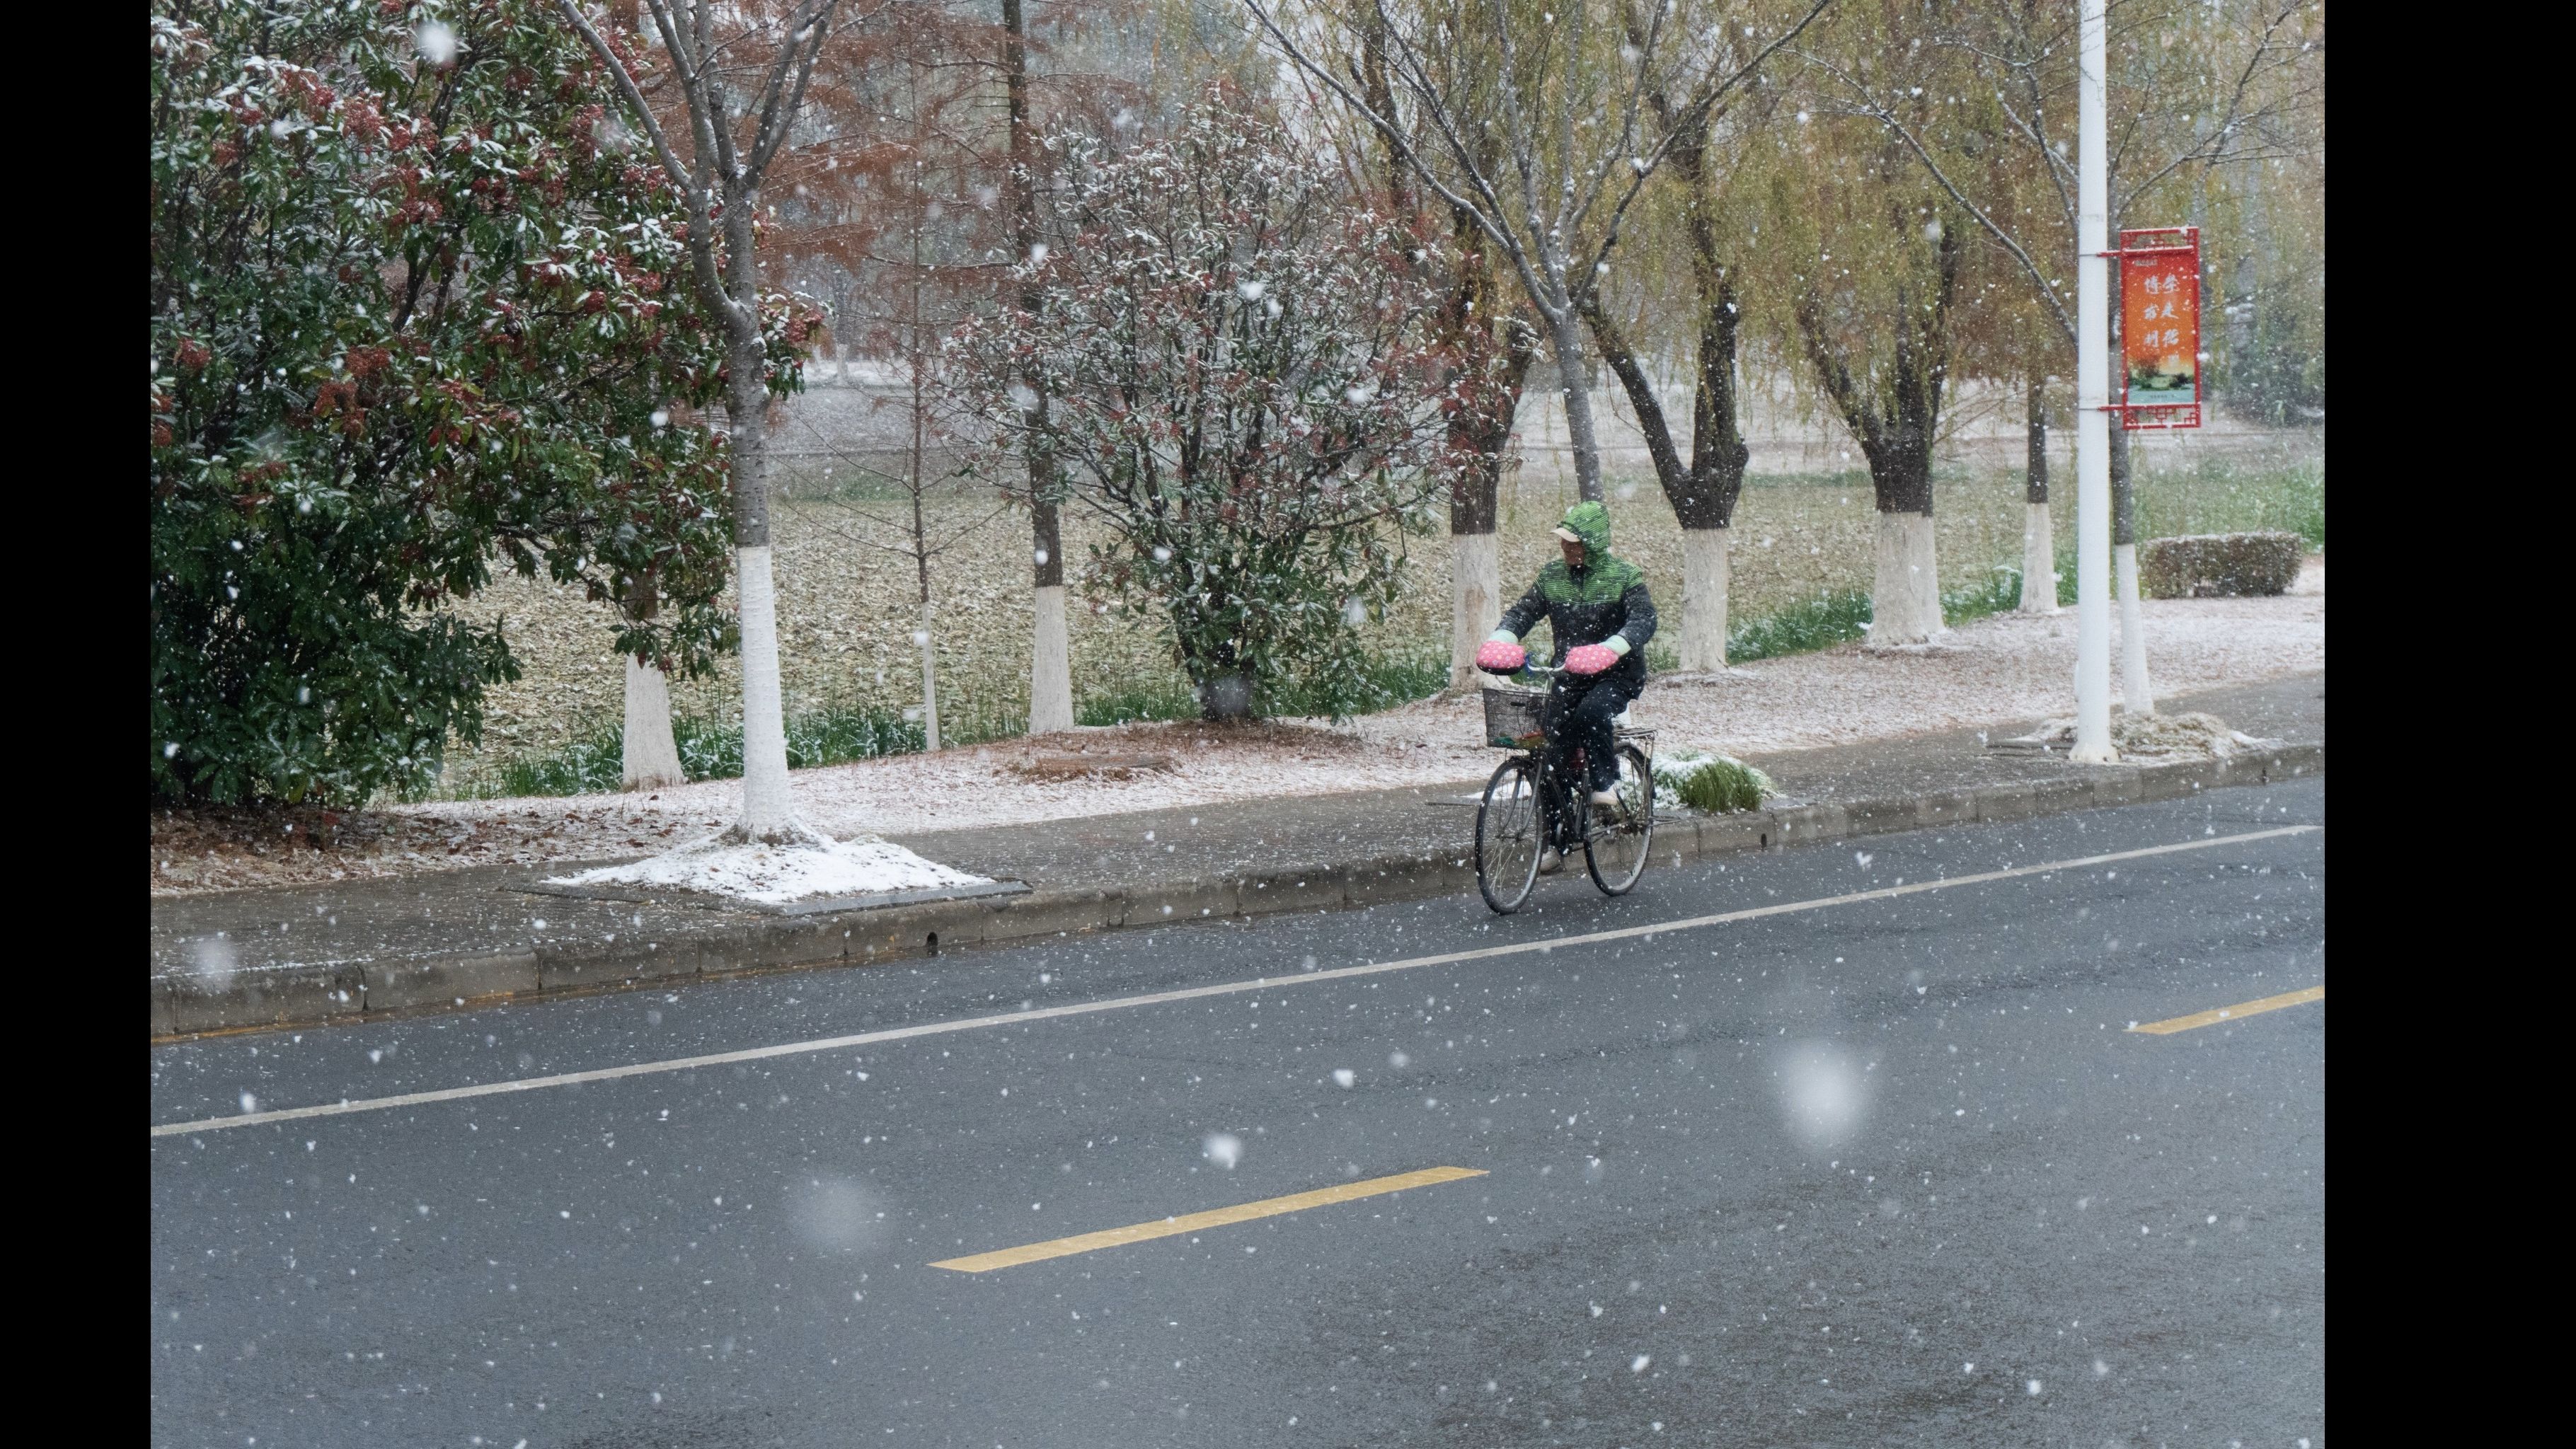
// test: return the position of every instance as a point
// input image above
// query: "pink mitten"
(1589, 659)
(1497, 657)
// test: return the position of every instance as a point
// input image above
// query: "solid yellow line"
(2231, 1013)
(1168, 1227)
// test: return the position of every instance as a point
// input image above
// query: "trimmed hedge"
(2219, 565)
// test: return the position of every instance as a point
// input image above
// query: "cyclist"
(1598, 609)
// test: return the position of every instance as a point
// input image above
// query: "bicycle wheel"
(1508, 836)
(1615, 850)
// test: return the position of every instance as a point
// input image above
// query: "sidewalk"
(2000, 668)
(304, 955)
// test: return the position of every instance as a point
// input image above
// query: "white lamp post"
(2092, 395)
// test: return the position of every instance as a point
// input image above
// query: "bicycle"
(1527, 810)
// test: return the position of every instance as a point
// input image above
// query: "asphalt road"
(1889, 1170)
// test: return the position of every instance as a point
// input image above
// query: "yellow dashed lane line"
(1195, 1222)
(2171, 1025)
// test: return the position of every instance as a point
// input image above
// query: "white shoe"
(1605, 799)
(1549, 862)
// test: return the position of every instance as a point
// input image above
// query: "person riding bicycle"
(1598, 609)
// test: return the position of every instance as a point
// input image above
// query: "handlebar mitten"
(1590, 658)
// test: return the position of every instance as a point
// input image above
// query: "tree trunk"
(1051, 641)
(2137, 695)
(1896, 418)
(2038, 560)
(1475, 599)
(1051, 664)
(1475, 556)
(1905, 594)
(1226, 695)
(768, 814)
(929, 680)
(1704, 583)
(1480, 428)
(652, 754)
(1565, 335)
(652, 751)
(2038, 546)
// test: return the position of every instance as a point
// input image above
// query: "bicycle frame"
(1555, 803)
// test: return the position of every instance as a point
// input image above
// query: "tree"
(413, 315)
(1487, 344)
(927, 112)
(918, 261)
(2199, 87)
(1051, 640)
(1703, 156)
(1567, 95)
(1872, 256)
(1235, 362)
(741, 72)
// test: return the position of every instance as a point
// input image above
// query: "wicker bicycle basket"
(1511, 718)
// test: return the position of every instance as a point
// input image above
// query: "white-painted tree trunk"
(1051, 665)
(1475, 600)
(767, 813)
(2136, 694)
(652, 751)
(2038, 561)
(1705, 560)
(1905, 594)
(929, 681)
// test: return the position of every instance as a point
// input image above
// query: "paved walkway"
(460, 915)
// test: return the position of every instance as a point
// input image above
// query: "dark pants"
(1577, 715)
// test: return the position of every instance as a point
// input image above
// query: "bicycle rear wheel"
(1508, 837)
(1615, 850)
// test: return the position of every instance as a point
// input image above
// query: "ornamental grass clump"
(1711, 784)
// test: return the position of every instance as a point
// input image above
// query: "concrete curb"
(323, 993)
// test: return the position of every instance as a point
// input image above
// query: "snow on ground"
(774, 876)
(2006, 670)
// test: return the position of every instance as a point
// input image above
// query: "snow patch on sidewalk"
(776, 875)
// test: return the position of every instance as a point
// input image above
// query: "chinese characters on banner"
(2160, 327)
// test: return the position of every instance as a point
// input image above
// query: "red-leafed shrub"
(411, 319)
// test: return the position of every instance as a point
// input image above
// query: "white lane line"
(1193, 993)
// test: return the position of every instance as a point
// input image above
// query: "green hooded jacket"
(1603, 602)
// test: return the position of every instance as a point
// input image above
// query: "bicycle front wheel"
(1621, 837)
(1508, 838)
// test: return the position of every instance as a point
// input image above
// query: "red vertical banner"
(2160, 359)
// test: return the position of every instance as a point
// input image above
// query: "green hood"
(1591, 523)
